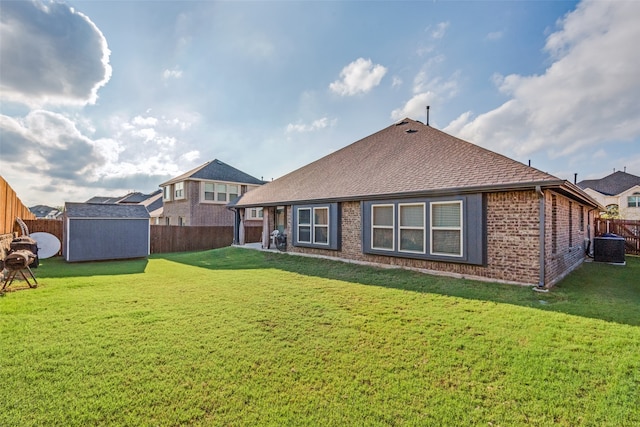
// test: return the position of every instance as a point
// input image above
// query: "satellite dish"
(48, 244)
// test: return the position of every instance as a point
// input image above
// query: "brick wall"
(512, 241)
(513, 249)
(194, 212)
(565, 233)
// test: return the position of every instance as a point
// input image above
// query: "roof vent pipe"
(575, 178)
(427, 115)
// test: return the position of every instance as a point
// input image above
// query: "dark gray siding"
(103, 239)
(334, 226)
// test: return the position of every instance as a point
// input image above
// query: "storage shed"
(94, 232)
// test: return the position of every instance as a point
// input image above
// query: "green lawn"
(243, 338)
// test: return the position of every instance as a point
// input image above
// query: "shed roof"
(406, 158)
(100, 210)
(611, 185)
(216, 170)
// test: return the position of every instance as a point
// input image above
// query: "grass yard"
(235, 337)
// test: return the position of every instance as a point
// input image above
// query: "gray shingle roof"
(103, 200)
(100, 210)
(217, 170)
(403, 159)
(611, 185)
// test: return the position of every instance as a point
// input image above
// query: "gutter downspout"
(541, 235)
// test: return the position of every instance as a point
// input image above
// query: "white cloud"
(427, 92)
(67, 164)
(360, 76)
(396, 81)
(50, 54)
(172, 74)
(313, 126)
(588, 95)
(144, 121)
(191, 156)
(415, 107)
(440, 30)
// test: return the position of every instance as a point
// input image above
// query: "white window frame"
(166, 193)
(314, 225)
(203, 193)
(178, 190)
(635, 196)
(309, 224)
(217, 194)
(406, 227)
(460, 228)
(386, 227)
(254, 213)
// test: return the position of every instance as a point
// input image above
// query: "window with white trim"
(633, 201)
(411, 228)
(316, 226)
(303, 231)
(218, 192)
(208, 191)
(321, 226)
(255, 213)
(178, 190)
(166, 193)
(383, 227)
(446, 228)
(221, 192)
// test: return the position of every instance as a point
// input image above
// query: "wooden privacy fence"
(11, 208)
(630, 230)
(174, 238)
(164, 238)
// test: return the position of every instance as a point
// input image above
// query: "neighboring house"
(413, 196)
(200, 196)
(152, 201)
(105, 231)
(45, 212)
(619, 191)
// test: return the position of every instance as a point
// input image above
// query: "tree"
(613, 212)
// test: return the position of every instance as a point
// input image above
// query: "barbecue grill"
(18, 262)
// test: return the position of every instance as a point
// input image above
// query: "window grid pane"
(412, 240)
(382, 238)
(446, 242)
(412, 216)
(383, 216)
(321, 216)
(304, 216)
(304, 233)
(321, 234)
(446, 215)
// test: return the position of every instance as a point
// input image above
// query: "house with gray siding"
(96, 231)
(413, 196)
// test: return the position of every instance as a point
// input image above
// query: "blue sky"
(106, 97)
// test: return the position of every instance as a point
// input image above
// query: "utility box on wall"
(609, 248)
(95, 232)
